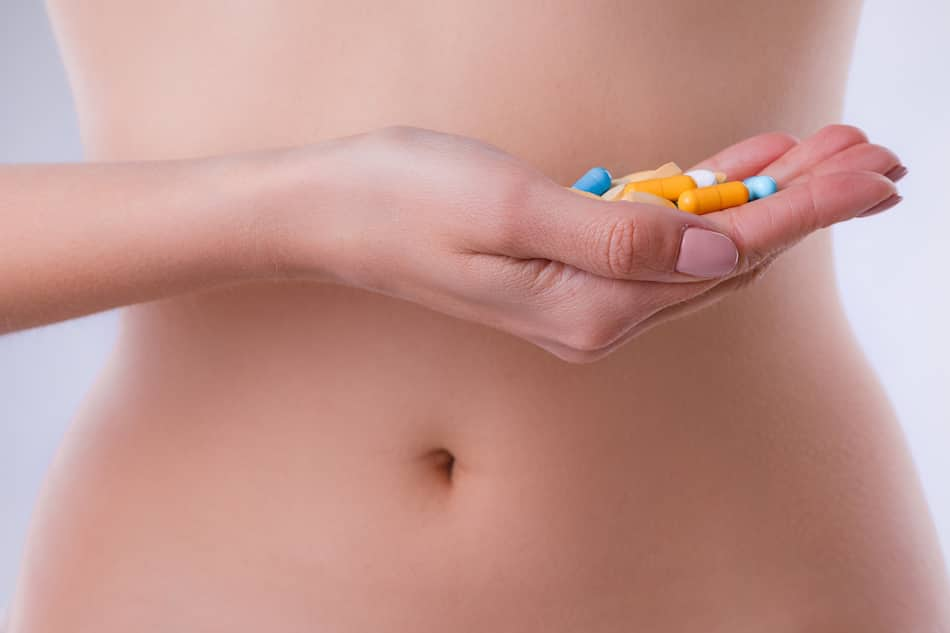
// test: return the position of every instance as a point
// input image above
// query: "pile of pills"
(698, 191)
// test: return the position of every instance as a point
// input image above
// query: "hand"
(466, 229)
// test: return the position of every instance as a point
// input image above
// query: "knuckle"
(513, 194)
(809, 211)
(544, 279)
(619, 247)
(848, 133)
(622, 247)
(576, 357)
(749, 255)
(574, 317)
(516, 190)
(789, 139)
(592, 338)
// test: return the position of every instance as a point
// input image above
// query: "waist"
(272, 341)
(320, 359)
(314, 361)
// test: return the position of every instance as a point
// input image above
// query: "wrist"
(282, 216)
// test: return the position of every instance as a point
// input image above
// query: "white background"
(892, 269)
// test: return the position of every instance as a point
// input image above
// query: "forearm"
(81, 238)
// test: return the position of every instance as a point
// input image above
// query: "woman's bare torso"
(301, 457)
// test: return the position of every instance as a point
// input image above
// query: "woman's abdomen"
(377, 466)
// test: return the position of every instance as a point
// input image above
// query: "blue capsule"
(595, 181)
(760, 186)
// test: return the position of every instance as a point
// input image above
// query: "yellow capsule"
(669, 188)
(715, 198)
(720, 177)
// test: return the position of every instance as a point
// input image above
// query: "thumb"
(619, 239)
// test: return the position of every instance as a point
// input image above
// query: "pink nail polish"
(896, 173)
(706, 253)
(884, 205)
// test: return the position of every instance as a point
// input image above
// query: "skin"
(386, 378)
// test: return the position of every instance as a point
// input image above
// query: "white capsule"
(702, 177)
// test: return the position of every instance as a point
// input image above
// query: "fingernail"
(706, 253)
(897, 173)
(884, 205)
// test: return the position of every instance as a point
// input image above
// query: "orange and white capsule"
(671, 187)
(714, 198)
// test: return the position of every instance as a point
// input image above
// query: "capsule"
(595, 181)
(663, 171)
(715, 198)
(669, 188)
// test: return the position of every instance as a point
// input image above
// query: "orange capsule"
(715, 198)
(669, 188)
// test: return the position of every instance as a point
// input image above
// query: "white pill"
(702, 177)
